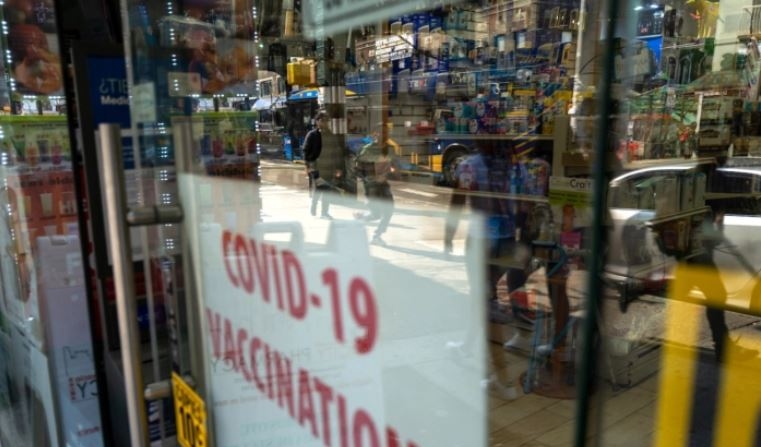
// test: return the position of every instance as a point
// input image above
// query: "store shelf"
(577, 159)
(476, 136)
(679, 215)
(509, 196)
(529, 198)
(13, 119)
(650, 36)
(467, 34)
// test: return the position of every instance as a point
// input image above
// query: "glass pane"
(48, 386)
(427, 259)
(193, 68)
(403, 276)
(678, 315)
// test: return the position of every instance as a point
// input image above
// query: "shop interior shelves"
(488, 136)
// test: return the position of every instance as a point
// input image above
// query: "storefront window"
(444, 257)
(48, 382)
(466, 223)
(680, 336)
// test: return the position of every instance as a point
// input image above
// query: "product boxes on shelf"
(228, 144)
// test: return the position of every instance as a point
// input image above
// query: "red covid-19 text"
(307, 399)
(277, 276)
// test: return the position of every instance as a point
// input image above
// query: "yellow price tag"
(190, 414)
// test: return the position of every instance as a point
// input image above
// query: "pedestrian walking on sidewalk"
(479, 183)
(324, 163)
(374, 166)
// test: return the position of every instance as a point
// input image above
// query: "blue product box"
(436, 23)
(452, 19)
(421, 23)
(444, 57)
(464, 18)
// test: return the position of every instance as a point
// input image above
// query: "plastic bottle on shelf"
(536, 120)
(515, 178)
(56, 153)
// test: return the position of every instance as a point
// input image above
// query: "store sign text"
(83, 388)
(327, 17)
(190, 414)
(391, 48)
(569, 190)
(277, 277)
(114, 91)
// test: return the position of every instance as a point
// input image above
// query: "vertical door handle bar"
(124, 281)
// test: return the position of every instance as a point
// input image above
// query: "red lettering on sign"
(330, 279)
(253, 353)
(260, 257)
(297, 305)
(212, 319)
(270, 376)
(326, 396)
(245, 268)
(365, 313)
(226, 242)
(306, 405)
(343, 421)
(350, 308)
(231, 350)
(242, 337)
(363, 423)
(284, 382)
(356, 428)
(393, 439)
(278, 279)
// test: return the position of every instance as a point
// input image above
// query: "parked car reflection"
(637, 265)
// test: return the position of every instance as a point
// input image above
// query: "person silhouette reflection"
(706, 276)
(480, 183)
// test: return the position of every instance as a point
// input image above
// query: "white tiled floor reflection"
(628, 414)
(536, 421)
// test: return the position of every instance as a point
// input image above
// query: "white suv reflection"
(635, 263)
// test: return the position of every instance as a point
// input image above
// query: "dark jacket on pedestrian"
(312, 145)
(331, 157)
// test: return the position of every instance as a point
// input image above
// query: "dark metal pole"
(589, 347)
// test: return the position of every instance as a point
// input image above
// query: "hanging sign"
(391, 48)
(326, 17)
(567, 190)
(190, 414)
(316, 342)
